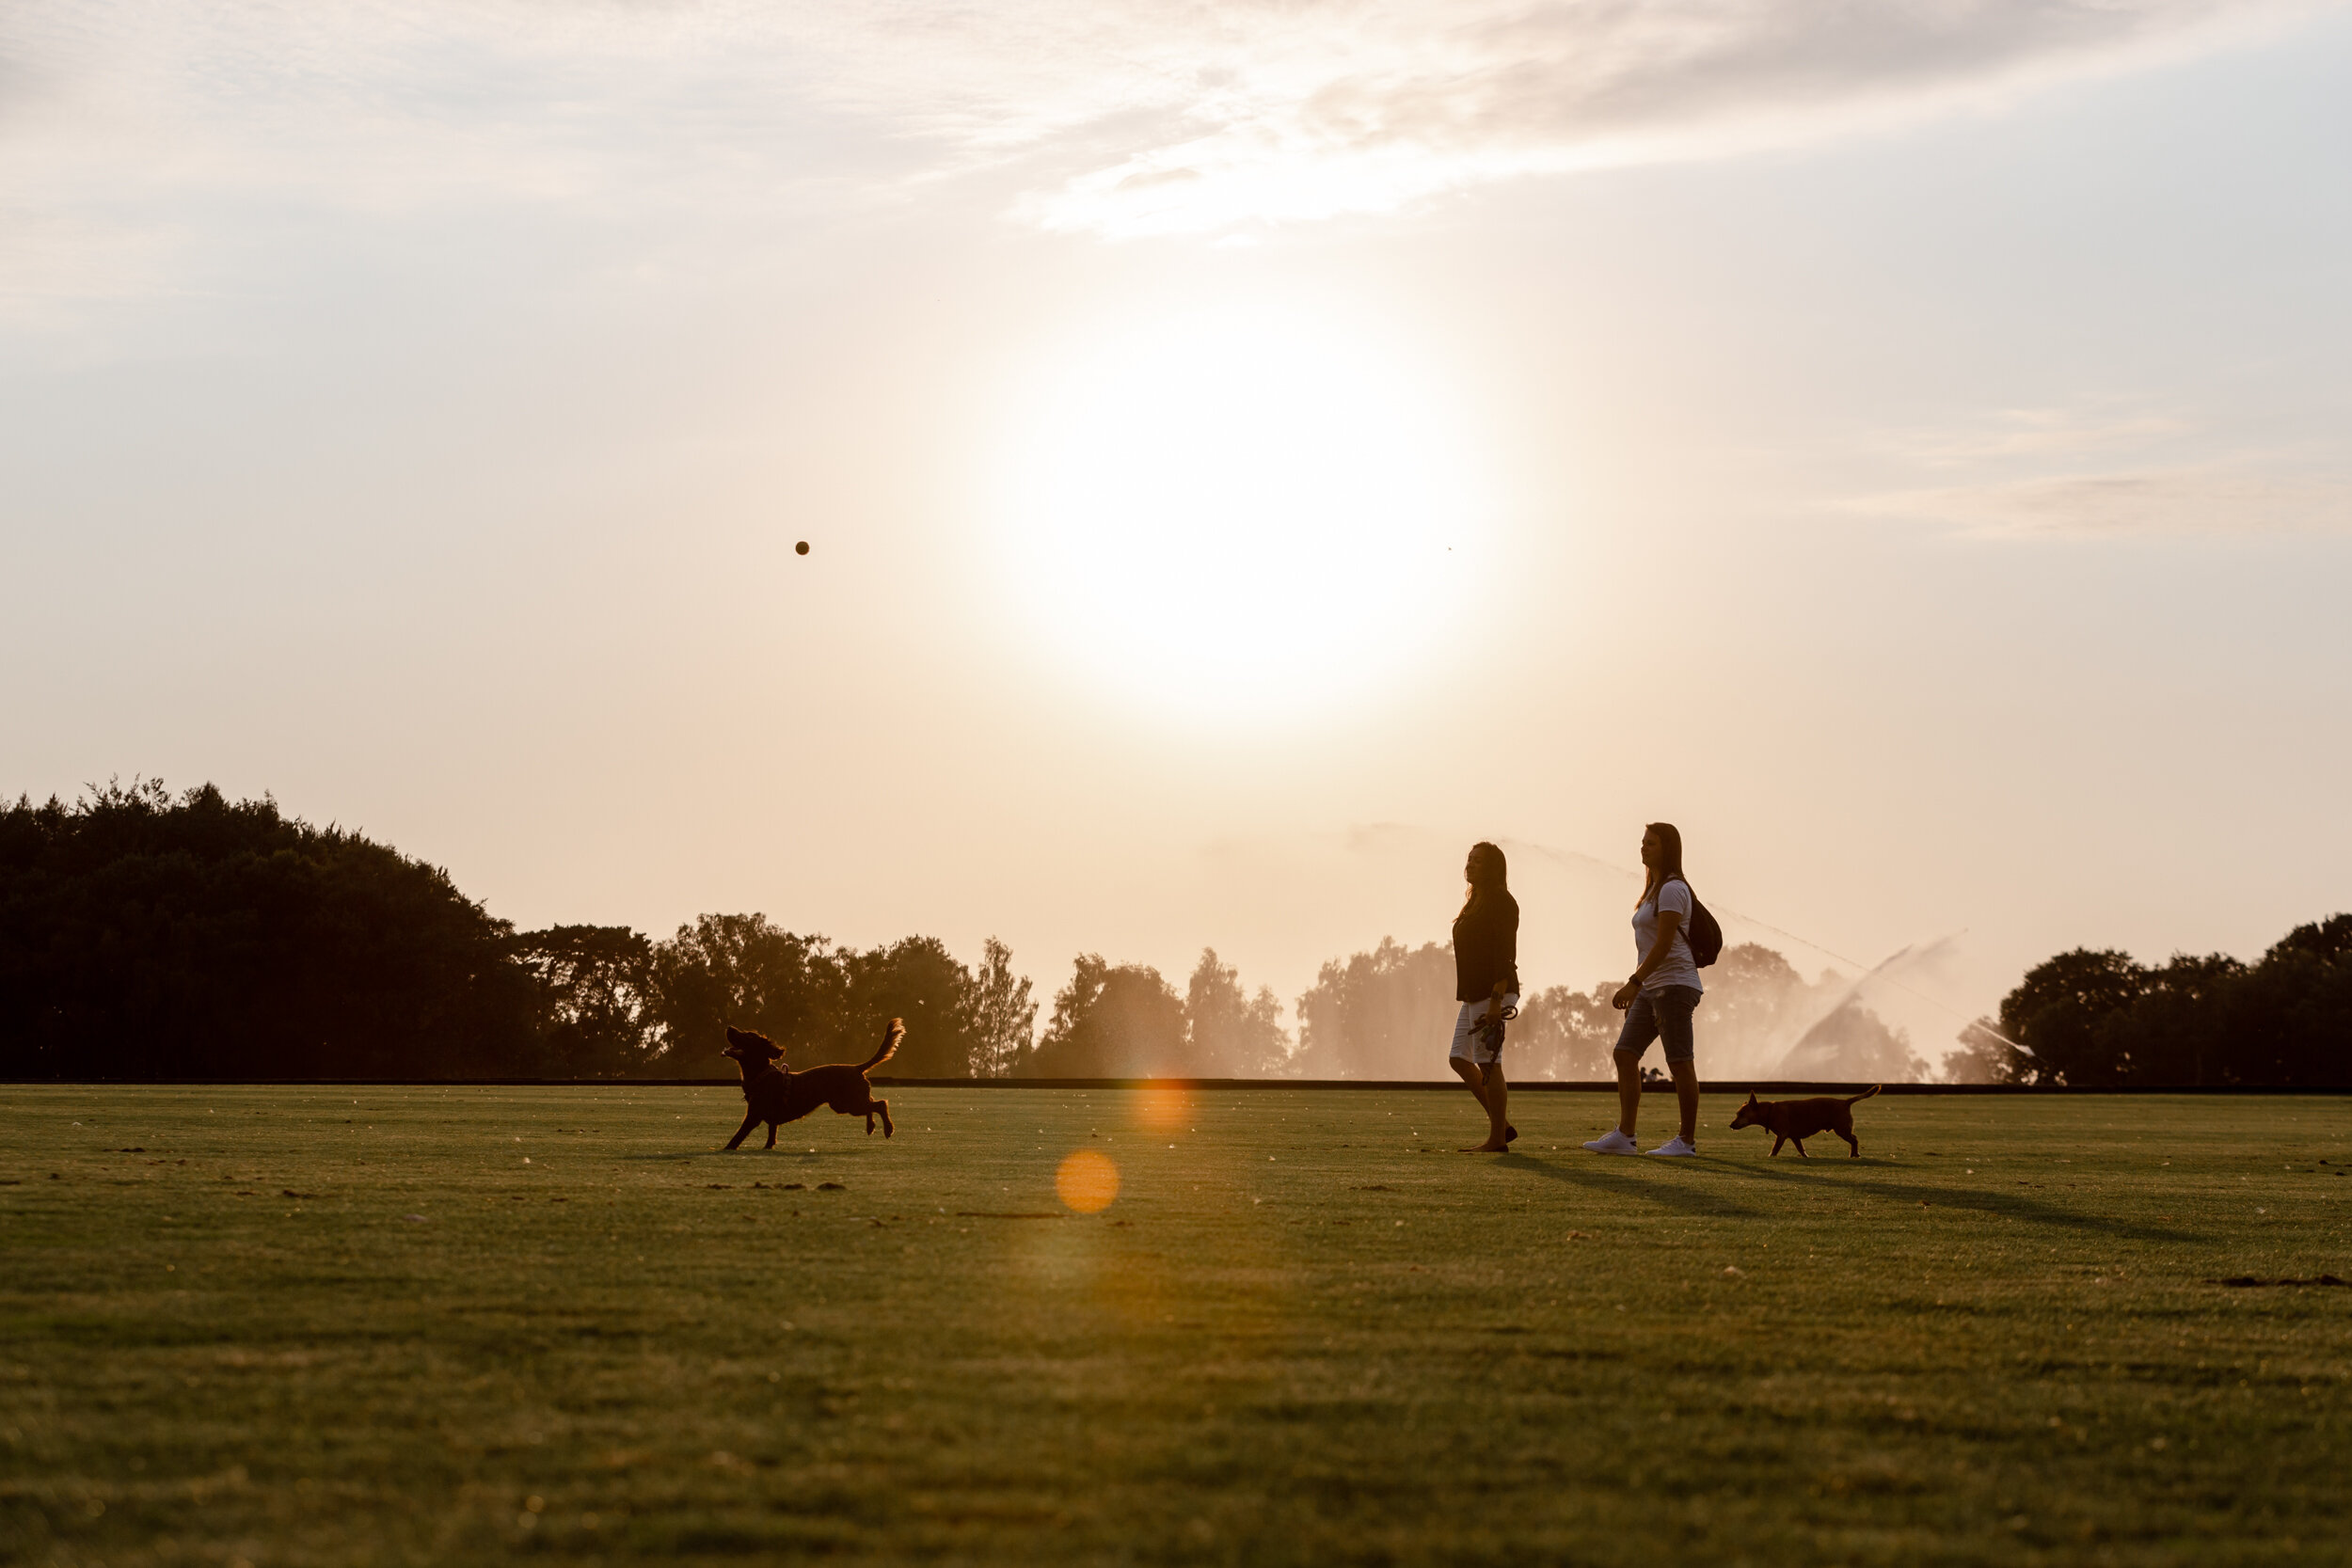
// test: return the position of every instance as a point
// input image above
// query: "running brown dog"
(1795, 1121)
(776, 1094)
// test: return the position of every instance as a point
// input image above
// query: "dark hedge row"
(2089, 1018)
(144, 935)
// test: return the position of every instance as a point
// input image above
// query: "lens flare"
(1088, 1182)
(1163, 1110)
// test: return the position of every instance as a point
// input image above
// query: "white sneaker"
(1679, 1147)
(1614, 1142)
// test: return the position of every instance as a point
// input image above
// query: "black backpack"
(1705, 936)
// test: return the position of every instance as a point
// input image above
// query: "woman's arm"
(1669, 922)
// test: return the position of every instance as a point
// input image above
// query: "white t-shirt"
(1677, 969)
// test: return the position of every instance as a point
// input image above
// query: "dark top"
(1486, 947)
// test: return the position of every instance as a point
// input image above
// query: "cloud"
(1113, 117)
(2041, 434)
(1304, 112)
(2105, 470)
(2185, 502)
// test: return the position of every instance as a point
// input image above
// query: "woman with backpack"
(1486, 983)
(1662, 994)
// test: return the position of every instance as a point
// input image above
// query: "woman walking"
(1660, 997)
(1486, 983)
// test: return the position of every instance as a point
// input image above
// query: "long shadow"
(1690, 1200)
(2007, 1206)
(719, 1154)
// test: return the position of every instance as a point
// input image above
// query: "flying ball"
(801, 548)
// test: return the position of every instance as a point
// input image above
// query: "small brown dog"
(776, 1094)
(1795, 1121)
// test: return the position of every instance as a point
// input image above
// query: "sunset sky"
(1248, 452)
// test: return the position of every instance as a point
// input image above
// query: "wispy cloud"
(1300, 112)
(2222, 499)
(2105, 471)
(1116, 118)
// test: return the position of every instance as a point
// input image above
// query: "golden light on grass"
(1162, 1110)
(1088, 1182)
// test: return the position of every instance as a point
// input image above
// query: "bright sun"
(1241, 513)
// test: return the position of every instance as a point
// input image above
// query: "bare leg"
(1471, 1073)
(1497, 1098)
(1687, 1098)
(1629, 1091)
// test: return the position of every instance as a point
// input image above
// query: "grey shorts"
(1664, 1012)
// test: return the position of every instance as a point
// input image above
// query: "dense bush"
(143, 936)
(2090, 1019)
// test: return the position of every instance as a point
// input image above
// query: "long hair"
(1498, 878)
(1670, 860)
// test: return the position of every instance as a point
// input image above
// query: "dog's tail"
(1864, 1094)
(891, 1037)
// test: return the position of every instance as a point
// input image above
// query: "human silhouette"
(1486, 983)
(1659, 997)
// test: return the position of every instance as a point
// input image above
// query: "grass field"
(420, 1325)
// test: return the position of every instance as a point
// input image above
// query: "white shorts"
(1467, 1047)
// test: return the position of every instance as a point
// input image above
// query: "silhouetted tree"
(149, 936)
(1111, 1022)
(1387, 1013)
(2057, 1012)
(1985, 1057)
(1564, 1035)
(596, 1016)
(918, 980)
(746, 971)
(2098, 1017)
(1003, 1016)
(1230, 1033)
(2292, 1018)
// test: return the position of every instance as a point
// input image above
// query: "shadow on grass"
(714, 1153)
(1688, 1197)
(2027, 1210)
(1691, 1200)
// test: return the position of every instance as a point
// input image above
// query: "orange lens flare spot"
(1163, 1109)
(1088, 1182)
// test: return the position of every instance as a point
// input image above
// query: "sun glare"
(1241, 513)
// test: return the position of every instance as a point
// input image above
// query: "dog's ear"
(1751, 1092)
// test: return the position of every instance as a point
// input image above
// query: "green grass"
(1301, 1333)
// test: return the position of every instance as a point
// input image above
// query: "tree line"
(145, 935)
(1374, 1014)
(2100, 1019)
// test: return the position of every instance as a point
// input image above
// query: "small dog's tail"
(891, 1037)
(1866, 1094)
